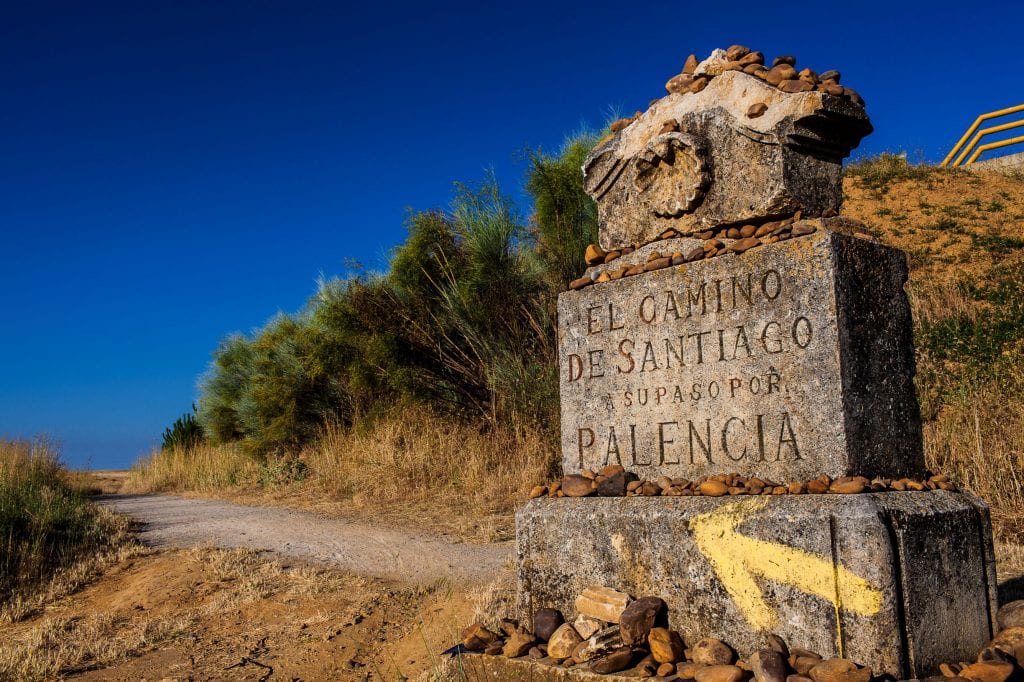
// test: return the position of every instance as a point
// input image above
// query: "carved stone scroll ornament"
(739, 150)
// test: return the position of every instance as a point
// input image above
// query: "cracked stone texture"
(927, 558)
(804, 366)
(722, 167)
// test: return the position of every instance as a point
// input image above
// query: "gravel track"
(168, 521)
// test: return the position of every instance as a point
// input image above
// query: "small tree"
(185, 432)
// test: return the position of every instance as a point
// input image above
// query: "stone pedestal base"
(896, 581)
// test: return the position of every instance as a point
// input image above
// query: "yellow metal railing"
(982, 133)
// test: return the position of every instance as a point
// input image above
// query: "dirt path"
(379, 552)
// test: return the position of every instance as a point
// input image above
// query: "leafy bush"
(463, 321)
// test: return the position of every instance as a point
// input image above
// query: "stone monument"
(736, 340)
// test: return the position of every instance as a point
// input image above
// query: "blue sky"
(174, 172)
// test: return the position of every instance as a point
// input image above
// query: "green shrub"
(45, 523)
(463, 320)
(565, 216)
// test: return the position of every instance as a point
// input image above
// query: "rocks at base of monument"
(666, 654)
(915, 571)
(615, 481)
(634, 639)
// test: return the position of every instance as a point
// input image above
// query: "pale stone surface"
(562, 641)
(586, 626)
(791, 360)
(601, 603)
(722, 166)
(915, 571)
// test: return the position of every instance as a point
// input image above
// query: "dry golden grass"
(199, 468)
(411, 466)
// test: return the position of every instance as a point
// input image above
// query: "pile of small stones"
(743, 238)
(615, 481)
(782, 74)
(614, 632)
(998, 661)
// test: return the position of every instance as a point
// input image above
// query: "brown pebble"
(710, 651)
(691, 64)
(580, 283)
(694, 254)
(794, 85)
(698, 84)
(746, 244)
(610, 256)
(816, 487)
(748, 230)
(847, 486)
(756, 109)
(719, 673)
(657, 264)
(752, 59)
(734, 52)
(713, 488)
(575, 485)
(779, 73)
(538, 490)
(784, 59)
(666, 669)
(808, 76)
(594, 255)
(832, 670)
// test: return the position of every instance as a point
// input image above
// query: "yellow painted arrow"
(737, 559)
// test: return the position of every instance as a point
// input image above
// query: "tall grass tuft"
(970, 353)
(46, 523)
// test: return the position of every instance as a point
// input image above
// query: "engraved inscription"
(692, 374)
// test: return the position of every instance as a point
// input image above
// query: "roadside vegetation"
(964, 234)
(52, 538)
(433, 386)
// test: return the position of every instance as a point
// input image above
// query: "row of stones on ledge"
(615, 481)
(614, 632)
(743, 239)
(782, 74)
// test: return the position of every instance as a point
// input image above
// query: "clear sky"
(173, 172)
